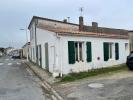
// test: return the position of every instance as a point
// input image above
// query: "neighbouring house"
(131, 40)
(25, 49)
(62, 47)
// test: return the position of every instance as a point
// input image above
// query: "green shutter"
(71, 52)
(116, 51)
(89, 52)
(106, 51)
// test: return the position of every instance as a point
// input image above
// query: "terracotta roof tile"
(92, 34)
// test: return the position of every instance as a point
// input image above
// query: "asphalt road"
(117, 86)
(17, 83)
(109, 90)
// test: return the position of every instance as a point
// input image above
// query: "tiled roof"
(91, 34)
(101, 32)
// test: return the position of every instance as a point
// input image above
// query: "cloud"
(16, 14)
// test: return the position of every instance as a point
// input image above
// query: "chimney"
(81, 23)
(65, 20)
(94, 27)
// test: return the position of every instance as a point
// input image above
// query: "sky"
(17, 14)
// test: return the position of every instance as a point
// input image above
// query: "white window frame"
(111, 50)
(79, 58)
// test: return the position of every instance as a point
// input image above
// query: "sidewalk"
(43, 74)
(47, 80)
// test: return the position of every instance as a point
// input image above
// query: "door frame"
(53, 56)
(46, 56)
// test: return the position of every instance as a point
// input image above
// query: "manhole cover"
(96, 85)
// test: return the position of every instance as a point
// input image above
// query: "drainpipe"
(60, 44)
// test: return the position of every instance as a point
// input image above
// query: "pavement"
(43, 74)
(17, 82)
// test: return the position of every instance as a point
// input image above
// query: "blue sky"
(16, 14)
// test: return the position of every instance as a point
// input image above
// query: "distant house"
(62, 47)
(25, 49)
(1, 53)
(9, 50)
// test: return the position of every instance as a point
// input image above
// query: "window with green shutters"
(71, 52)
(106, 51)
(116, 51)
(89, 51)
(75, 51)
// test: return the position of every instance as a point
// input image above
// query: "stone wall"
(46, 24)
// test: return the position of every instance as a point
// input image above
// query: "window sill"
(111, 60)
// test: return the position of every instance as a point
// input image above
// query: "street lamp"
(22, 29)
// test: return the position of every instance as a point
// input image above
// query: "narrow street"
(17, 83)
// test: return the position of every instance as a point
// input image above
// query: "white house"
(62, 47)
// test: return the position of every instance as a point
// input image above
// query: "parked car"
(16, 54)
(130, 61)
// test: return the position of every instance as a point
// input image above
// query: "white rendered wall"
(32, 43)
(43, 37)
(97, 51)
(61, 51)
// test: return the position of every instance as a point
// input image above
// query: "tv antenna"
(81, 9)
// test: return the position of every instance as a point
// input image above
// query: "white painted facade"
(58, 50)
(97, 51)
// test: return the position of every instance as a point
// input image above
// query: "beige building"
(131, 40)
(25, 50)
